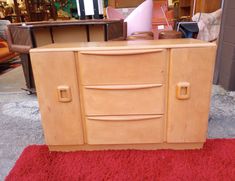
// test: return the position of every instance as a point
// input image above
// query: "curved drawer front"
(125, 129)
(124, 99)
(122, 67)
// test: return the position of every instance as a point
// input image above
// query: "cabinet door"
(58, 95)
(190, 80)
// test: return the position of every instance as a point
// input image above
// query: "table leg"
(28, 73)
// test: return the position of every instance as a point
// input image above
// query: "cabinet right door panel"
(190, 80)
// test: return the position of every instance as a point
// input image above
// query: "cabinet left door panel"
(58, 96)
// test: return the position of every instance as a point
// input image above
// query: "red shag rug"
(216, 161)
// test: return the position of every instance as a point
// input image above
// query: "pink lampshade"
(141, 18)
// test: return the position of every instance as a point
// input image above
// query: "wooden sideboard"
(24, 36)
(124, 95)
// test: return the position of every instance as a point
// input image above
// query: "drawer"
(124, 99)
(125, 129)
(122, 67)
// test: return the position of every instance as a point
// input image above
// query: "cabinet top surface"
(119, 45)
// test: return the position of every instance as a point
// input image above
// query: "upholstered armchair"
(209, 25)
(5, 54)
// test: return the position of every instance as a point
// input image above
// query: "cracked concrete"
(222, 114)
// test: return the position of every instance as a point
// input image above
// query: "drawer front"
(122, 67)
(125, 129)
(124, 99)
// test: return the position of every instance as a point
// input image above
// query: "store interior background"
(19, 113)
(39, 10)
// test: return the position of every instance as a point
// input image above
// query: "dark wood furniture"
(40, 10)
(24, 36)
(207, 6)
(15, 18)
(191, 7)
(225, 63)
(185, 8)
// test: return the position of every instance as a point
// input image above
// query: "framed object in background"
(81, 9)
(92, 8)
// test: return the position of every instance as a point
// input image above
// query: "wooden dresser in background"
(124, 95)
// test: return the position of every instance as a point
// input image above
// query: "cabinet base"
(173, 146)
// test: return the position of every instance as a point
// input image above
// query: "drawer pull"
(64, 94)
(183, 90)
(121, 52)
(123, 118)
(123, 87)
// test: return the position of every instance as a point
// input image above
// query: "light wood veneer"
(124, 95)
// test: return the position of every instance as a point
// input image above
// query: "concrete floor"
(20, 124)
(12, 81)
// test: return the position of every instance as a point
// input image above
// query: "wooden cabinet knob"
(64, 94)
(183, 90)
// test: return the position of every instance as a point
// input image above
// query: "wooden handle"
(64, 94)
(122, 52)
(123, 87)
(183, 90)
(123, 118)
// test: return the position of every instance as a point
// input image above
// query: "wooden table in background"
(24, 36)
